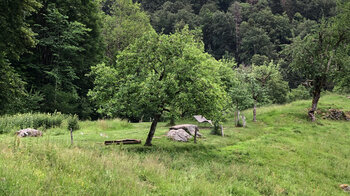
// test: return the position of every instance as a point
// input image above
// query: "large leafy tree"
(322, 56)
(161, 73)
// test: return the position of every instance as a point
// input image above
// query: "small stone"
(345, 187)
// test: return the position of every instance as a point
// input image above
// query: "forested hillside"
(61, 55)
(98, 97)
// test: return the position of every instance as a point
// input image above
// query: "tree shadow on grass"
(197, 152)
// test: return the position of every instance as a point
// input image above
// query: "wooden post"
(254, 111)
(195, 136)
(222, 131)
(71, 136)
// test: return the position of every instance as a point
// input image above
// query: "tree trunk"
(235, 118)
(152, 130)
(244, 121)
(254, 111)
(316, 96)
(222, 131)
(238, 122)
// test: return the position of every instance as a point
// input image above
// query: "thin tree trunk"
(222, 131)
(238, 113)
(152, 130)
(254, 111)
(244, 121)
(235, 118)
(315, 99)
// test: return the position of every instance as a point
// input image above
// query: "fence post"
(71, 136)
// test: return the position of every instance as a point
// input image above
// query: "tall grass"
(283, 153)
(10, 123)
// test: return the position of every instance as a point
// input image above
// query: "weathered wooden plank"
(126, 141)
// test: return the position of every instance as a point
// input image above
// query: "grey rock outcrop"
(189, 128)
(29, 133)
(179, 135)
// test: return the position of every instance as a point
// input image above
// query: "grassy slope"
(283, 153)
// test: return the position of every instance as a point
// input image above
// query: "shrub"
(10, 123)
(299, 93)
(72, 123)
(216, 129)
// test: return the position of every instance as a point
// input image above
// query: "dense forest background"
(47, 48)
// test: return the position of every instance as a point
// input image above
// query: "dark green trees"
(68, 43)
(16, 37)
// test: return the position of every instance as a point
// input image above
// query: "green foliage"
(218, 33)
(271, 82)
(11, 86)
(240, 92)
(105, 87)
(254, 41)
(123, 22)
(160, 73)
(173, 15)
(47, 49)
(10, 123)
(16, 36)
(68, 43)
(300, 93)
(73, 123)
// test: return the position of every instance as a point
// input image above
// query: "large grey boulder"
(189, 128)
(179, 135)
(29, 133)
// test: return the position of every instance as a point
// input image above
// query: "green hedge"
(44, 121)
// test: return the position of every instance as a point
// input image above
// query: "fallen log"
(126, 141)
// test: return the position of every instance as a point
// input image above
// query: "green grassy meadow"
(281, 154)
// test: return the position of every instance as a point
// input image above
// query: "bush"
(216, 129)
(299, 93)
(72, 122)
(10, 123)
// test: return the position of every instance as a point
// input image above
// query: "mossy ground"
(282, 154)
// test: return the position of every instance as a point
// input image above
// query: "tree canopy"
(52, 53)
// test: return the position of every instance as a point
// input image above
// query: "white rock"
(29, 133)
